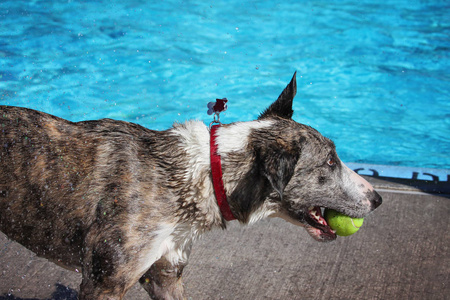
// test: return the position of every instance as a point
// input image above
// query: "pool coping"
(409, 180)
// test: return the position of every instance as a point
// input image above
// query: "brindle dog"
(123, 203)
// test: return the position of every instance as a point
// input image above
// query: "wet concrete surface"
(401, 252)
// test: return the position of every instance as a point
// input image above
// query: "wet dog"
(123, 203)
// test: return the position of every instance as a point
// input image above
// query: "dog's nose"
(377, 200)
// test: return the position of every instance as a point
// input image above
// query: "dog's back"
(48, 194)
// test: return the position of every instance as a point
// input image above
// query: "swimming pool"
(372, 76)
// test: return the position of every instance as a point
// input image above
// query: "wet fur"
(124, 203)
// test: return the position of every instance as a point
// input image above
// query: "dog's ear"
(283, 106)
(278, 164)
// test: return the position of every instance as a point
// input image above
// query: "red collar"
(216, 169)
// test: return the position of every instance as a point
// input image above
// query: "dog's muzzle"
(376, 200)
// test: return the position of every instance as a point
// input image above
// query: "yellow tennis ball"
(342, 224)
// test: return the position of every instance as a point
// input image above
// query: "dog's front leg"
(163, 281)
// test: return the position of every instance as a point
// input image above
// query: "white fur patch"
(161, 245)
(261, 213)
(235, 137)
(195, 137)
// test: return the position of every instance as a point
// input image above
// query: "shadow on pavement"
(61, 293)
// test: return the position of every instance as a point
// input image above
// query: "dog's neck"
(246, 190)
(232, 141)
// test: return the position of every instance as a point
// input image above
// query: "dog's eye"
(331, 162)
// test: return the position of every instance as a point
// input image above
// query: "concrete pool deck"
(402, 252)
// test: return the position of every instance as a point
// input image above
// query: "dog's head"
(298, 173)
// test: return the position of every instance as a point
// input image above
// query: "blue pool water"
(372, 76)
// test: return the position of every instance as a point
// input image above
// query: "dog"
(122, 203)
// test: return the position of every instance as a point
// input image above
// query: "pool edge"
(405, 179)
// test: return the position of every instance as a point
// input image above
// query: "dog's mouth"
(318, 228)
